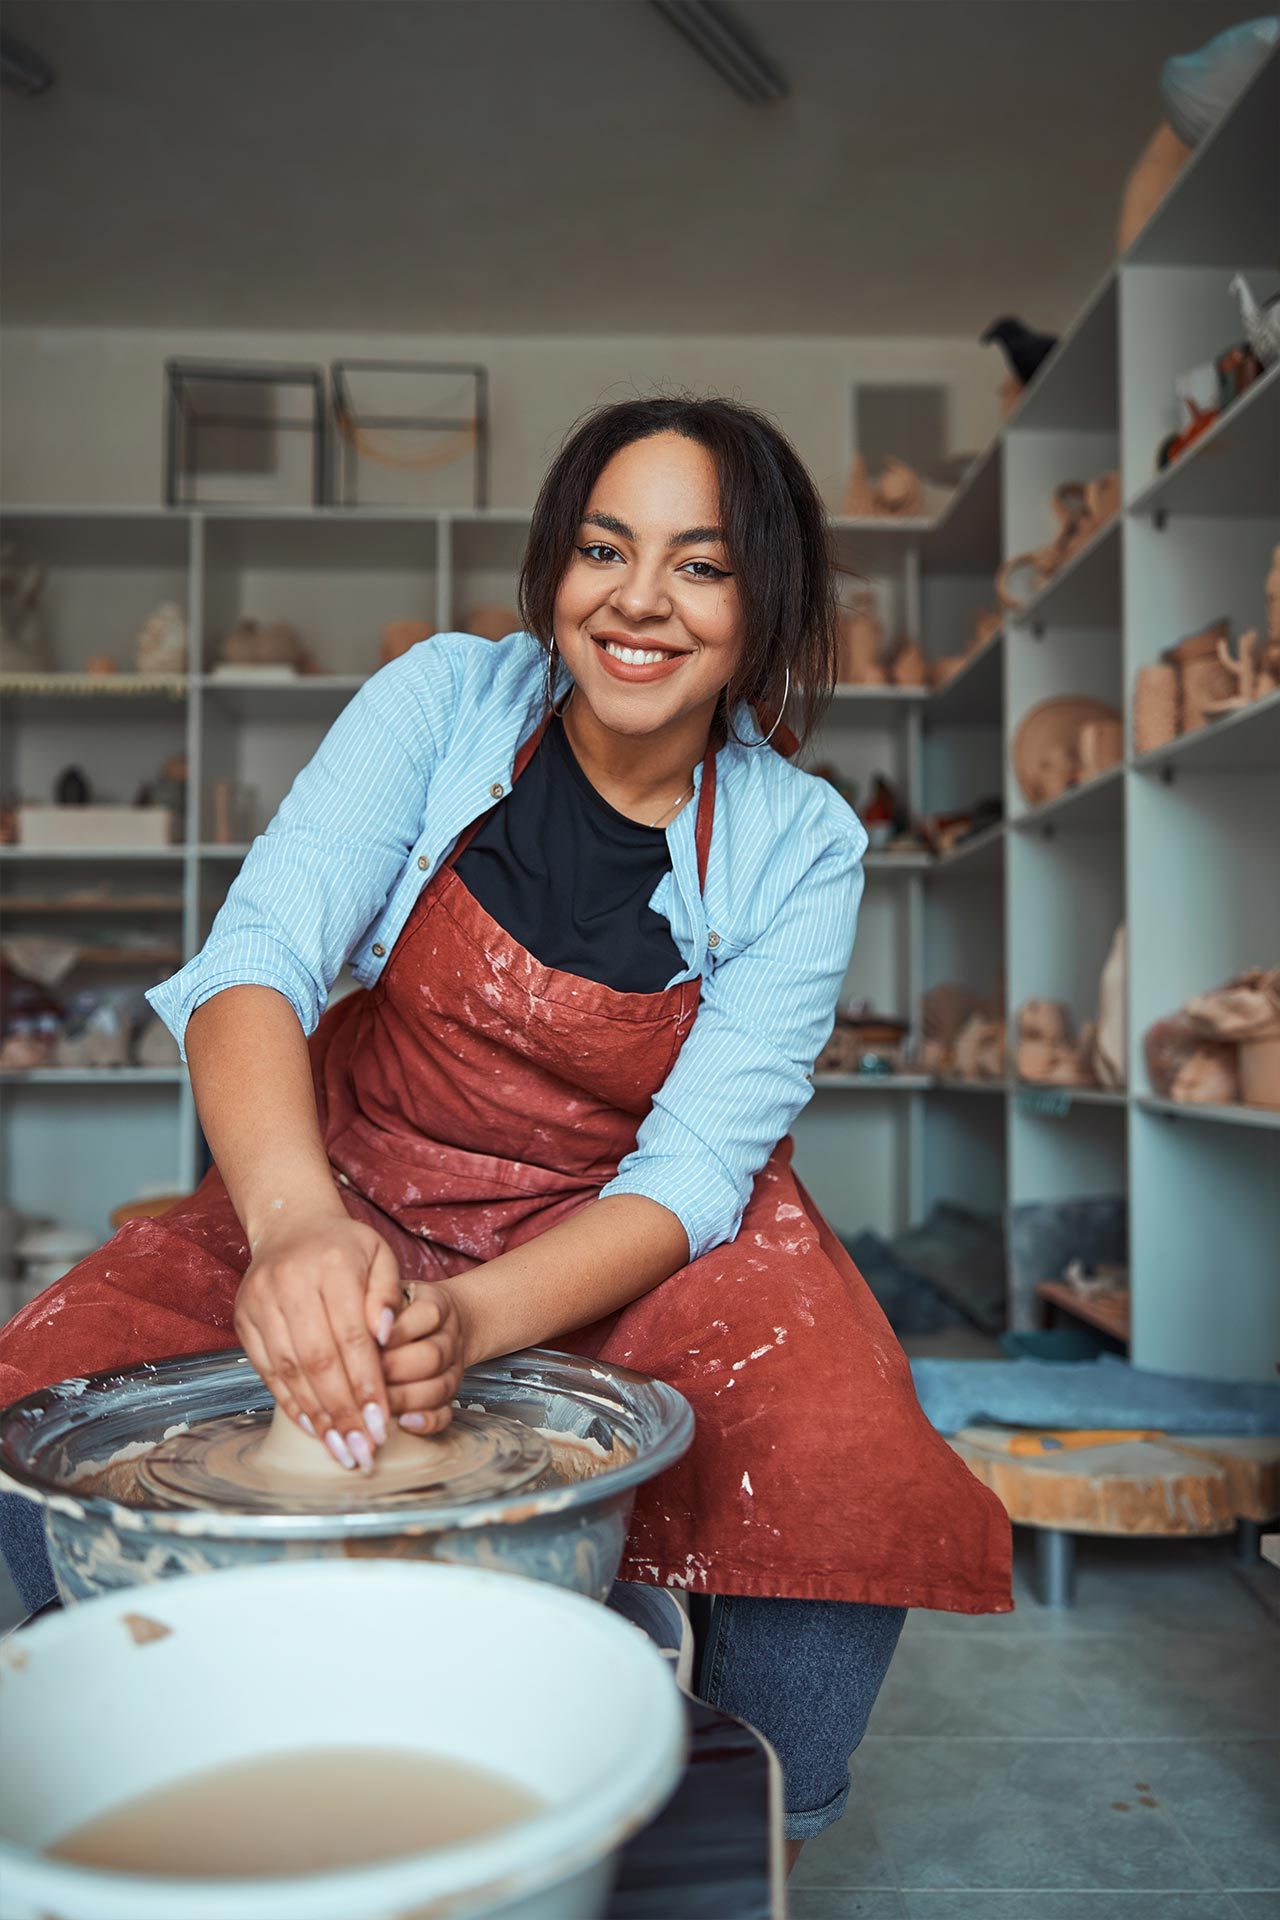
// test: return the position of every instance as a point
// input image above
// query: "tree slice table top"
(1156, 1484)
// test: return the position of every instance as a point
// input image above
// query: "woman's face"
(647, 616)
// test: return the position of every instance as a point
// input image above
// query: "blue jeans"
(806, 1673)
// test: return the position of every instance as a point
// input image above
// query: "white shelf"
(973, 690)
(1229, 1116)
(100, 1077)
(897, 862)
(91, 856)
(871, 1082)
(1093, 803)
(980, 848)
(1249, 737)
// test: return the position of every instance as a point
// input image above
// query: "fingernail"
(363, 1452)
(338, 1448)
(306, 1425)
(374, 1421)
(386, 1320)
(416, 1422)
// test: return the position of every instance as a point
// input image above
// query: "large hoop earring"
(551, 674)
(766, 737)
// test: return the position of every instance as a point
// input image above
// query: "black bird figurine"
(1025, 351)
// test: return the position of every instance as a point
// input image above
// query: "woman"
(603, 923)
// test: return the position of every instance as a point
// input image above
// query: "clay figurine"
(910, 668)
(1100, 746)
(1261, 323)
(22, 633)
(1273, 600)
(1246, 669)
(1202, 678)
(1155, 707)
(162, 643)
(491, 622)
(861, 641)
(399, 635)
(1025, 351)
(896, 493)
(273, 643)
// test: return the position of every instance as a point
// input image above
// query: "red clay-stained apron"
(473, 1098)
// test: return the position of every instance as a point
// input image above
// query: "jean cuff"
(804, 1823)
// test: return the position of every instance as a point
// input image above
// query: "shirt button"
(713, 939)
(496, 790)
(378, 948)
(423, 862)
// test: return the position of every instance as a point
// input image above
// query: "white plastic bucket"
(129, 1692)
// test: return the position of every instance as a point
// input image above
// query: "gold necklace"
(680, 797)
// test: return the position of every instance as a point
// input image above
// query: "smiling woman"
(603, 922)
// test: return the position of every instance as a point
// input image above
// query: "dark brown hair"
(775, 532)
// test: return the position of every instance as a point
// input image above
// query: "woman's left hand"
(423, 1359)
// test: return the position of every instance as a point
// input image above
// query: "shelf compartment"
(1109, 1312)
(89, 908)
(1084, 592)
(1076, 387)
(850, 693)
(1039, 1096)
(1234, 468)
(972, 692)
(965, 536)
(267, 700)
(93, 686)
(1250, 737)
(1093, 803)
(979, 849)
(91, 856)
(897, 862)
(942, 1083)
(103, 1078)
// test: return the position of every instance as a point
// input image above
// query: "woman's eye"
(594, 548)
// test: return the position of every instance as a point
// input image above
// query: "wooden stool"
(1152, 1485)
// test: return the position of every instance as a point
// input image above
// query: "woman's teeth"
(636, 656)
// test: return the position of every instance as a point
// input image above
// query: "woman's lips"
(635, 672)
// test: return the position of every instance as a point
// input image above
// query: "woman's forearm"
(251, 1074)
(598, 1260)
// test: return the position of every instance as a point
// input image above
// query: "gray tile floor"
(1120, 1761)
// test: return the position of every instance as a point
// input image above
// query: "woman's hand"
(424, 1359)
(316, 1304)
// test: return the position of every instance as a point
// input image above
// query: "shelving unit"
(1176, 844)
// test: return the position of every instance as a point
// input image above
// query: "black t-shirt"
(570, 877)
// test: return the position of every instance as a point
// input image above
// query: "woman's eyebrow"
(689, 537)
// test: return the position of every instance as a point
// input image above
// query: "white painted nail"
(386, 1320)
(338, 1448)
(359, 1445)
(415, 1422)
(374, 1421)
(306, 1425)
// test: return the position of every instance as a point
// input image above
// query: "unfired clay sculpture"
(1155, 706)
(910, 668)
(895, 494)
(861, 645)
(1202, 678)
(162, 643)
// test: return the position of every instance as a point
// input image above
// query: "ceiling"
(572, 166)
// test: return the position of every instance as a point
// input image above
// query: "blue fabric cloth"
(805, 1674)
(1106, 1392)
(427, 744)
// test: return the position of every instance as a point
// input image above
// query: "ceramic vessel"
(861, 644)
(1100, 746)
(1155, 707)
(1260, 1073)
(117, 1699)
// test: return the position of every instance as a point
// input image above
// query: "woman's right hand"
(314, 1308)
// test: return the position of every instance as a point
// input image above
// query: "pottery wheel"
(245, 1462)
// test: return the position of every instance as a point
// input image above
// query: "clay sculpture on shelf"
(1045, 1053)
(909, 667)
(490, 621)
(1251, 670)
(1025, 352)
(861, 644)
(1202, 678)
(23, 646)
(272, 646)
(895, 494)
(1046, 748)
(399, 635)
(1222, 1046)
(1109, 1030)
(1155, 707)
(1082, 509)
(162, 643)
(1100, 745)
(1261, 322)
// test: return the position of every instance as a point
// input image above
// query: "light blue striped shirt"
(426, 745)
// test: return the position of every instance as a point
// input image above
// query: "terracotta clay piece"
(399, 635)
(909, 668)
(1222, 1047)
(1155, 707)
(271, 643)
(1202, 678)
(895, 494)
(1045, 1053)
(1082, 509)
(862, 644)
(1046, 749)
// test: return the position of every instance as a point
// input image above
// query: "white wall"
(82, 411)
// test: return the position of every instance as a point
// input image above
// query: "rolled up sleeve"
(321, 873)
(743, 1073)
